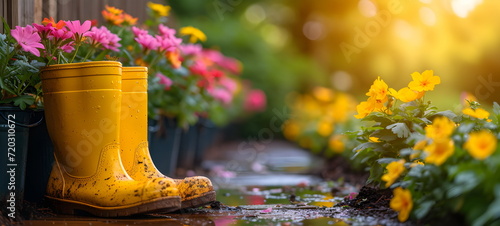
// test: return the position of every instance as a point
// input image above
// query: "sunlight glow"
(367, 8)
(462, 8)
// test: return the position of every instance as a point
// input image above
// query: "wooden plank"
(37, 11)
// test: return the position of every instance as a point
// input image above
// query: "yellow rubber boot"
(82, 110)
(194, 191)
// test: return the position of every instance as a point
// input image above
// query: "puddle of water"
(319, 196)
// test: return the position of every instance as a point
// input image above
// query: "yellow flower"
(325, 128)
(439, 151)
(402, 203)
(477, 113)
(373, 139)
(372, 104)
(291, 130)
(441, 128)
(406, 94)
(481, 145)
(394, 170)
(323, 94)
(342, 107)
(364, 109)
(195, 34)
(336, 143)
(159, 9)
(378, 90)
(424, 82)
(420, 145)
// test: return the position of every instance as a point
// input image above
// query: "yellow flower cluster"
(316, 114)
(379, 93)
(438, 145)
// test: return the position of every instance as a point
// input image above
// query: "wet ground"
(272, 186)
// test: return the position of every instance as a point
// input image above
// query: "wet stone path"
(274, 188)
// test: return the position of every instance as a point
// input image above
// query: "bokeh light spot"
(462, 8)
(367, 8)
(341, 80)
(255, 14)
(313, 30)
(427, 16)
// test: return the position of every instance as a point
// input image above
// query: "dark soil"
(369, 198)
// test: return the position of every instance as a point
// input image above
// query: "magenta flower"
(255, 101)
(28, 39)
(138, 32)
(78, 30)
(191, 49)
(167, 82)
(147, 42)
(102, 36)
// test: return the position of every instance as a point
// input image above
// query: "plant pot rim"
(89, 64)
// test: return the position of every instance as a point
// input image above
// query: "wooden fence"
(23, 12)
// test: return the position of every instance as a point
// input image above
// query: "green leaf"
(386, 160)
(424, 208)
(496, 108)
(400, 129)
(20, 101)
(464, 182)
(448, 113)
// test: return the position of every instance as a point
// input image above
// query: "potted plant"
(19, 100)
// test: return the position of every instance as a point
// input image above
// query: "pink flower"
(60, 34)
(104, 37)
(147, 42)
(198, 67)
(230, 64)
(68, 47)
(138, 32)
(167, 82)
(28, 39)
(255, 100)
(268, 210)
(168, 44)
(191, 49)
(227, 63)
(78, 30)
(228, 84)
(221, 94)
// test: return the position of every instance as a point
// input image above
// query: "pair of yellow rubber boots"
(96, 115)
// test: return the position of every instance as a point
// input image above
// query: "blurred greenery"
(277, 69)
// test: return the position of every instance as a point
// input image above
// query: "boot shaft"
(82, 106)
(134, 116)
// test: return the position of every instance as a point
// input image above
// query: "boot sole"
(64, 206)
(201, 200)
